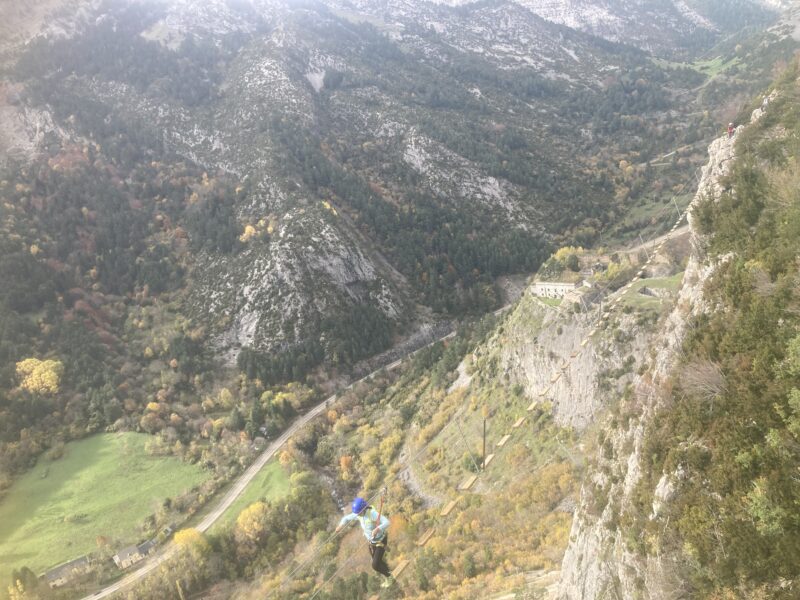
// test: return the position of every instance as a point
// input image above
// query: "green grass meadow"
(649, 218)
(104, 485)
(550, 301)
(271, 483)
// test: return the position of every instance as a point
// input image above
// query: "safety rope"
(380, 510)
(314, 554)
(335, 573)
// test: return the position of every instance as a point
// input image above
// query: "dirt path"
(411, 480)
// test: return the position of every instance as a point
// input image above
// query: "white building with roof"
(553, 289)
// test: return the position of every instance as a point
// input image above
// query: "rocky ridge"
(651, 26)
(597, 561)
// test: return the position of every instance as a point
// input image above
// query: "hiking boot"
(388, 582)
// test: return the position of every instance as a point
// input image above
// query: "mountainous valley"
(217, 214)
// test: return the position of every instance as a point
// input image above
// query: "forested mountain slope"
(214, 212)
(357, 138)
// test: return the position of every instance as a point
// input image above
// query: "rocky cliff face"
(541, 343)
(598, 563)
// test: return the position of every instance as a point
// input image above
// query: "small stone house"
(133, 554)
(62, 574)
(127, 556)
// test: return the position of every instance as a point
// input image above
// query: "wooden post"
(483, 462)
(180, 590)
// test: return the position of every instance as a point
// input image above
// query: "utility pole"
(644, 247)
(485, 414)
(483, 462)
(466, 445)
(677, 210)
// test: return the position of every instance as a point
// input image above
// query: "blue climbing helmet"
(359, 504)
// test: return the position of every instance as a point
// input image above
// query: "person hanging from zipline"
(375, 526)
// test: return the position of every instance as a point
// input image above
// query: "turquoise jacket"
(368, 524)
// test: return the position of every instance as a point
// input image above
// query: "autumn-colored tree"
(25, 584)
(17, 591)
(389, 447)
(192, 541)
(251, 527)
(249, 232)
(40, 376)
(225, 399)
(151, 423)
(346, 465)
(286, 459)
(563, 253)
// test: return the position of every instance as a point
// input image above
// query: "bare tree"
(704, 379)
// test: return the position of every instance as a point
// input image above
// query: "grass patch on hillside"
(550, 301)
(648, 219)
(635, 299)
(711, 67)
(271, 483)
(105, 485)
(714, 66)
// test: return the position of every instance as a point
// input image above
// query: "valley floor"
(100, 490)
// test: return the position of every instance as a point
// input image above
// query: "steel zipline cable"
(329, 579)
(322, 545)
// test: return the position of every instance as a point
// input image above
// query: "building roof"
(67, 568)
(127, 552)
(146, 547)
